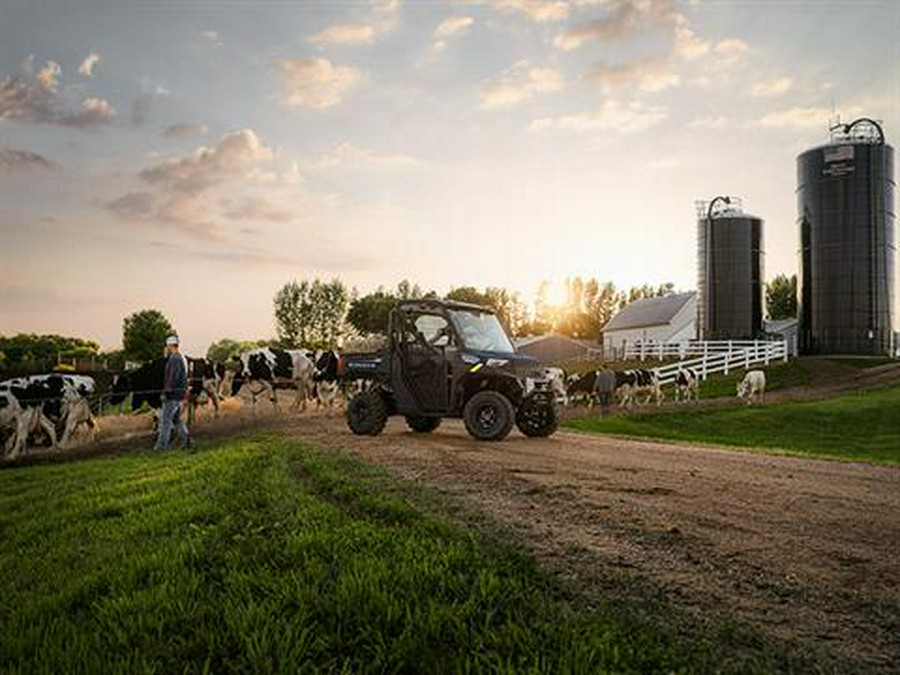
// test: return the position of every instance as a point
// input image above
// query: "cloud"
(235, 155)
(536, 10)
(211, 37)
(144, 102)
(134, 206)
(347, 154)
(709, 123)
(796, 118)
(687, 45)
(649, 75)
(519, 83)
(731, 49)
(33, 95)
(613, 116)
(94, 112)
(316, 83)
(185, 130)
(255, 209)
(87, 66)
(21, 160)
(345, 34)
(771, 87)
(624, 19)
(455, 25)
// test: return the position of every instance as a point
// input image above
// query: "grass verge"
(862, 426)
(265, 555)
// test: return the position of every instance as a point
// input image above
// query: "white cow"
(753, 385)
(558, 382)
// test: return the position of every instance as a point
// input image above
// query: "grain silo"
(845, 205)
(730, 271)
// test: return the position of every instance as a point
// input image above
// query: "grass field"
(861, 426)
(265, 555)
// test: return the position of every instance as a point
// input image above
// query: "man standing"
(174, 390)
(606, 386)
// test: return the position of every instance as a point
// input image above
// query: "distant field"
(265, 555)
(860, 426)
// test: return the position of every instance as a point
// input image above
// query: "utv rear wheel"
(537, 420)
(489, 416)
(423, 425)
(367, 413)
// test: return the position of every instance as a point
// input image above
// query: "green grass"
(861, 426)
(779, 375)
(265, 555)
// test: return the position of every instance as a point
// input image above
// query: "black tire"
(489, 416)
(367, 413)
(537, 420)
(423, 425)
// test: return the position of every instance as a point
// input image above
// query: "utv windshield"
(481, 331)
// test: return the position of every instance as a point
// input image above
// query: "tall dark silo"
(845, 206)
(730, 277)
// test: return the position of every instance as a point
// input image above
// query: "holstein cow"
(325, 377)
(13, 424)
(144, 384)
(581, 388)
(48, 403)
(557, 377)
(266, 369)
(753, 384)
(687, 384)
(205, 379)
(630, 383)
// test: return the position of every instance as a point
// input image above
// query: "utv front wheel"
(489, 416)
(367, 413)
(537, 420)
(423, 425)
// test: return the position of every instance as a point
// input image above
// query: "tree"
(144, 334)
(313, 314)
(44, 349)
(223, 350)
(781, 297)
(368, 314)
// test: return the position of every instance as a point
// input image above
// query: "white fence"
(724, 360)
(683, 350)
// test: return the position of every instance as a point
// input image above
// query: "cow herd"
(51, 409)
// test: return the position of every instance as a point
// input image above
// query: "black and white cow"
(631, 383)
(325, 377)
(145, 385)
(582, 388)
(46, 403)
(687, 385)
(205, 380)
(13, 424)
(268, 368)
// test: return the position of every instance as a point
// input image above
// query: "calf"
(687, 384)
(753, 384)
(263, 370)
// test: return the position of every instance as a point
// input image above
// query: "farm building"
(785, 329)
(671, 318)
(554, 347)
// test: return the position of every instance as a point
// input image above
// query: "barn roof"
(649, 312)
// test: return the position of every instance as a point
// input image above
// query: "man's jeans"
(169, 416)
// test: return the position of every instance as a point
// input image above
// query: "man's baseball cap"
(172, 340)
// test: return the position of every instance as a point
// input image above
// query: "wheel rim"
(487, 417)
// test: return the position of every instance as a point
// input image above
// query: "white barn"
(670, 318)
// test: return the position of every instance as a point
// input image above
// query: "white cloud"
(455, 25)
(731, 49)
(235, 155)
(316, 83)
(710, 122)
(212, 37)
(613, 116)
(185, 130)
(771, 87)
(21, 160)
(796, 118)
(687, 45)
(521, 82)
(94, 112)
(624, 20)
(345, 34)
(87, 66)
(347, 154)
(536, 10)
(651, 75)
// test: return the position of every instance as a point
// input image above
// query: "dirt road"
(804, 551)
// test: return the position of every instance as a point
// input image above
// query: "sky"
(193, 156)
